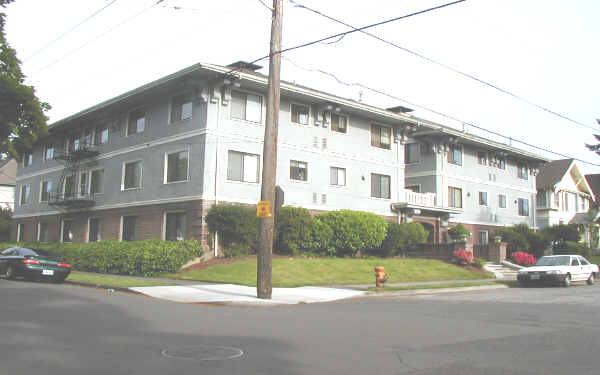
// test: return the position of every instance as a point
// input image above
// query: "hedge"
(140, 258)
(235, 224)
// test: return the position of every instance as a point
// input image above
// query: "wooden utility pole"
(267, 193)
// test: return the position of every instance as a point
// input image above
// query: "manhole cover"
(203, 353)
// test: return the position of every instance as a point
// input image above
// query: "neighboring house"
(565, 197)
(483, 184)
(8, 176)
(593, 181)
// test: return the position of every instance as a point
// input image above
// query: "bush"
(235, 224)
(463, 257)
(478, 262)
(293, 231)
(321, 239)
(523, 259)
(354, 231)
(402, 237)
(570, 247)
(238, 250)
(458, 230)
(516, 241)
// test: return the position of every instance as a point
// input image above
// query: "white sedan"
(559, 269)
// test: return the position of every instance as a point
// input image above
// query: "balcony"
(417, 199)
(411, 203)
(72, 201)
(80, 152)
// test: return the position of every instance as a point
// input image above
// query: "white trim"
(474, 180)
(62, 230)
(91, 172)
(347, 123)
(180, 93)
(20, 232)
(21, 195)
(134, 228)
(294, 103)
(290, 179)
(164, 222)
(87, 235)
(166, 165)
(345, 177)
(128, 118)
(462, 155)
(371, 123)
(263, 107)
(487, 201)
(120, 236)
(42, 191)
(123, 164)
(259, 170)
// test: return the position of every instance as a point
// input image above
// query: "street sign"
(263, 209)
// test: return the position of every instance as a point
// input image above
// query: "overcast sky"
(545, 51)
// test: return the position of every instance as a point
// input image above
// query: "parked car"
(33, 264)
(559, 269)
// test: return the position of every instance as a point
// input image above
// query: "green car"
(32, 264)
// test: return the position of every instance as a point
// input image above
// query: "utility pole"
(267, 193)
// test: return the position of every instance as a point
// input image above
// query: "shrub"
(235, 224)
(238, 250)
(569, 247)
(516, 241)
(293, 231)
(458, 230)
(402, 237)
(523, 258)
(354, 231)
(463, 257)
(321, 239)
(478, 262)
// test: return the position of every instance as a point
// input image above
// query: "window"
(522, 171)
(339, 123)
(565, 201)
(97, 182)
(46, 190)
(583, 203)
(245, 106)
(412, 153)
(556, 200)
(454, 197)
(94, 230)
(481, 157)
(27, 159)
(501, 163)
(74, 143)
(175, 226)
(380, 186)
(83, 183)
(132, 175)
(48, 151)
(101, 135)
(128, 224)
(381, 136)
(67, 231)
(69, 187)
(25, 192)
(523, 207)
(300, 114)
(502, 201)
(242, 167)
(455, 155)
(337, 176)
(177, 167)
(483, 198)
(86, 139)
(298, 170)
(42, 234)
(414, 188)
(483, 237)
(20, 232)
(181, 107)
(137, 122)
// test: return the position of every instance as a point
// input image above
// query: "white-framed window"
(94, 229)
(69, 187)
(381, 136)
(300, 114)
(128, 228)
(501, 163)
(298, 170)
(181, 107)
(66, 231)
(454, 197)
(42, 232)
(27, 159)
(482, 158)
(483, 237)
(523, 207)
(380, 186)
(176, 166)
(136, 122)
(101, 135)
(412, 153)
(48, 151)
(522, 171)
(339, 123)
(45, 191)
(246, 106)
(175, 226)
(483, 201)
(243, 167)
(83, 183)
(25, 195)
(97, 181)
(20, 232)
(337, 176)
(455, 155)
(501, 201)
(132, 175)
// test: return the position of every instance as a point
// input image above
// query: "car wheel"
(591, 280)
(567, 281)
(10, 273)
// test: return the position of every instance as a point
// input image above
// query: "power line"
(68, 31)
(356, 84)
(467, 75)
(265, 5)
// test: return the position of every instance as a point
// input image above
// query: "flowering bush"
(463, 257)
(522, 258)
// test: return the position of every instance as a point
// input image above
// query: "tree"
(596, 147)
(22, 118)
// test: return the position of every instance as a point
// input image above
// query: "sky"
(543, 51)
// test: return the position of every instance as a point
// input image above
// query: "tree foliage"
(595, 147)
(22, 118)
(401, 238)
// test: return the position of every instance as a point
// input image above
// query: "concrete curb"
(498, 275)
(416, 292)
(100, 286)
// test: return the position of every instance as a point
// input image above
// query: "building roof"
(8, 172)
(594, 182)
(552, 173)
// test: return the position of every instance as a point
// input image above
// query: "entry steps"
(501, 271)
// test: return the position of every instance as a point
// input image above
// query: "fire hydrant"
(380, 276)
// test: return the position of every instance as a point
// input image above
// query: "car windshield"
(554, 261)
(27, 252)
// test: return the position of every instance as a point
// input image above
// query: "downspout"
(399, 167)
(216, 250)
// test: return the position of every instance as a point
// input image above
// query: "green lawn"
(595, 259)
(434, 286)
(113, 281)
(292, 272)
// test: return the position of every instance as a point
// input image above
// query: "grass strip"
(434, 286)
(114, 281)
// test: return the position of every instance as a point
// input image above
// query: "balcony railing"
(75, 200)
(83, 151)
(417, 199)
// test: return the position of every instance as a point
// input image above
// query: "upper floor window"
(69, 187)
(380, 186)
(242, 167)
(381, 136)
(337, 176)
(501, 163)
(300, 114)
(27, 159)
(481, 157)
(412, 153)
(483, 201)
(454, 197)
(49, 151)
(25, 193)
(97, 182)
(46, 191)
(522, 171)
(181, 107)
(455, 154)
(502, 201)
(176, 167)
(523, 207)
(245, 106)
(101, 135)
(132, 175)
(339, 123)
(137, 121)
(298, 170)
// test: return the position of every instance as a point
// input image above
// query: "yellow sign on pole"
(263, 209)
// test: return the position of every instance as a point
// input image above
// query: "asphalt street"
(66, 329)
